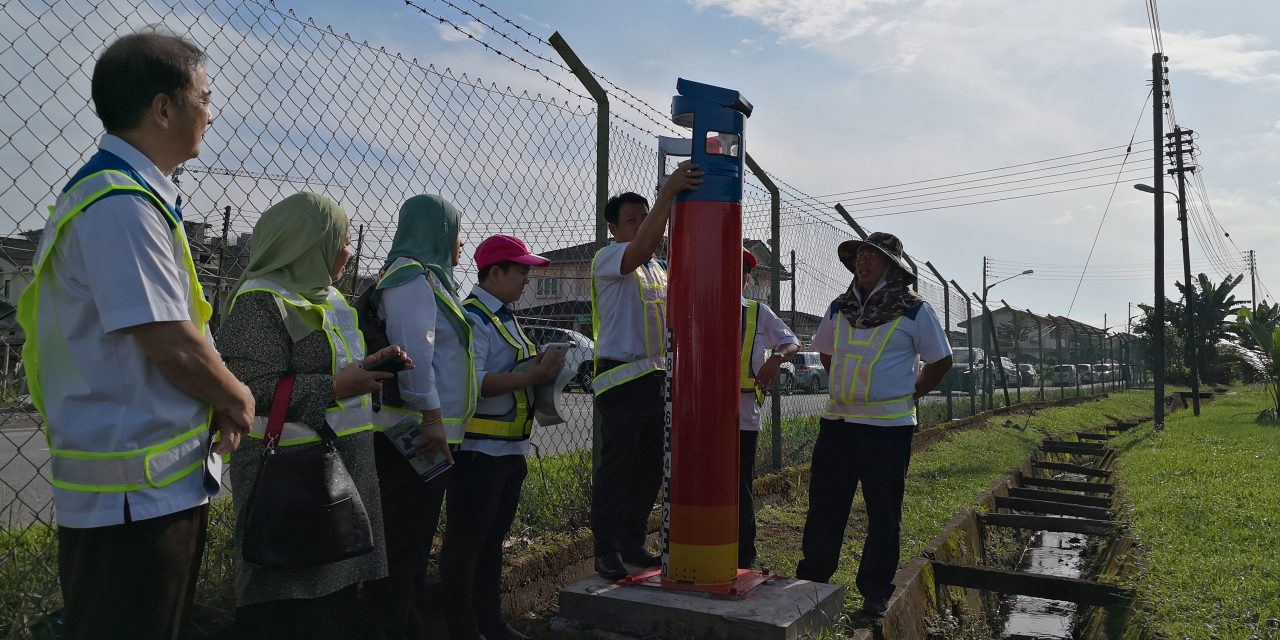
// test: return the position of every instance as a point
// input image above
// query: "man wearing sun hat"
(490, 467)
(870, 340)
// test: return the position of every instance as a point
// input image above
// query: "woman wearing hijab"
(417, 299)
(873, 335)
(286, 318)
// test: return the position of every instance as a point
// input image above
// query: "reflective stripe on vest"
(651, 286)
(158, 464)
(346, 345)
(746, 377)
(851, 369)
(516, 424)
(455, 426)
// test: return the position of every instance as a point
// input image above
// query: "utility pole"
(1160, 93)
(1180, 137)
(1253, 280)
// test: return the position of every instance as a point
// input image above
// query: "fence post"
(597, 92)
(968, 339)
(1017, 349)
(1039, 350)
(355, 271)
(775, 296)
(948, 380)
(852, 223)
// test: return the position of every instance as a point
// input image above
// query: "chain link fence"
(300, 107)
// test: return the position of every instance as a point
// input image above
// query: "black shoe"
(642, 558)
(609, 566)
(504, 632)
(874, 609)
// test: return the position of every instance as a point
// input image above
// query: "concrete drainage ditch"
(1036, 559)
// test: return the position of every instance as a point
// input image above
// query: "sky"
(850, 97)
(857, 94)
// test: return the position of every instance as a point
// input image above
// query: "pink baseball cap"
(498, 248)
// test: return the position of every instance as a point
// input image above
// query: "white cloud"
(1237, 58)
(810, 21)
(746, 46)
(449, 34)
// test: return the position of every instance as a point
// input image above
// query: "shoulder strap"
(279, 405)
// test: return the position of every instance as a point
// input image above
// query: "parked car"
(810, 375)
(960, 376)
(1064, 375)
(1027, 375)
(1085, 373)
(787, 377)
(579, 359)
(1102, 372)
(1010, 372)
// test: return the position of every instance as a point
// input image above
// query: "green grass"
(1203, 497)
(942, 480)
(28, 577)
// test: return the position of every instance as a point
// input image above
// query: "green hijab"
(295, 244)
(428, 233)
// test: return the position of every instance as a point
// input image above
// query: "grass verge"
(1202, 498)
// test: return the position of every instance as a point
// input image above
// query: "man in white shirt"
(766, 344)
(629, 310)
(874, 335)
(118, 356)
(490, 468)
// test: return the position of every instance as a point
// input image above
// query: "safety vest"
(747, 377)
(516, 424)
(166, 456)
(455, 419)
(856, 352)
(346, 344)
(651, 286)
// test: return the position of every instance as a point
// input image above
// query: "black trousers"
(844, 455)
(483, 497)
(134, 580)
(329, 617)
(395, 607)
(629, 473)
(747, 442)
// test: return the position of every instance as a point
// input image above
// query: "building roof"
(20, 250)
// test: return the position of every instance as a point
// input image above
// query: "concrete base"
(779, 609)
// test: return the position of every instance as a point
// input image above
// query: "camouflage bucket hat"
(886, 243)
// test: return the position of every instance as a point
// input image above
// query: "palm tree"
(1211, 306)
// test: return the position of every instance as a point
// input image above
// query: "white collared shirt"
(421, 327)
(621, 310)
(771, 334)
(115, 268)
(919, 336)
(493, 354)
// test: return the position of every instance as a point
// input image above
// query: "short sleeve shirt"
(771, 334)
(116, 266)
(919, 336)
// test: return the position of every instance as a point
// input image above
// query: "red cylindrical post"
(704, 314)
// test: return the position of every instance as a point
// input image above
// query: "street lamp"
(995, 342)
(1146, 188)
(993, 284)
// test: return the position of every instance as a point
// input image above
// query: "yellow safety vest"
(455, 426)
(856, 352)
(346, 344)
(516, 424)
(747, 377)
(166, 457)
(651, 286)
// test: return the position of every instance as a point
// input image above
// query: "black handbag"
(303, 508)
